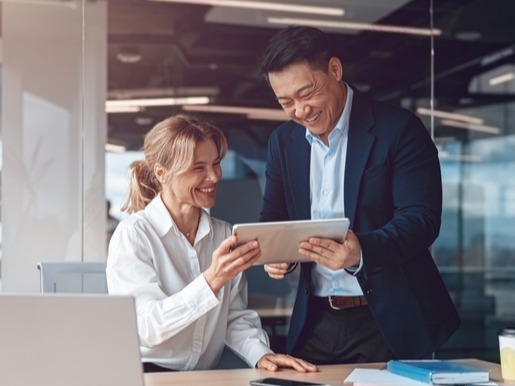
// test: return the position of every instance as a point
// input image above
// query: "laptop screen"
(65, 339)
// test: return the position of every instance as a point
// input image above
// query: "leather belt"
(344, 302)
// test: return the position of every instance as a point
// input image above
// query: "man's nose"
(301, 110)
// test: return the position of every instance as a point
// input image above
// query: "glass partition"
(474, 127)
(53, 135)
(64, 159)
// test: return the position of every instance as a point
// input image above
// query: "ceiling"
(214, 51)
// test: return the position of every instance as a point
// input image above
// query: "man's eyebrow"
(298, 91)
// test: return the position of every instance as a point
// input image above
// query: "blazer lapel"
(298, 155)
(358, 149)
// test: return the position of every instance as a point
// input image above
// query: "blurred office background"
(82, 81)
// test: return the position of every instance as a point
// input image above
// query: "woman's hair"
(171, 143)
(295, 44)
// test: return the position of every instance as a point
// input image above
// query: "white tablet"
(279, 241)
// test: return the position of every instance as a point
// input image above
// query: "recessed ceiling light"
(129, 55)
(466, 101)
(115, 148)
(506, 77)
(143, 121)
(468, 35)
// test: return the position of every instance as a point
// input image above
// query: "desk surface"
(332, 375)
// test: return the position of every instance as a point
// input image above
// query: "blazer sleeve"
(400, 200)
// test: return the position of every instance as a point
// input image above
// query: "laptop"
(69, 339)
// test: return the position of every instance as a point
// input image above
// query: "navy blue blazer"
(393, 198)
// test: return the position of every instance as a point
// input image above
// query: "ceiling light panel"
(265, 5)
(503, 78)
(450, 115)
(348, 25)
(157, 102)
(363, 11)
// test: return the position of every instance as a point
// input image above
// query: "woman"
(180, 264)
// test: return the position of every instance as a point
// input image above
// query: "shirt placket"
(198, 333)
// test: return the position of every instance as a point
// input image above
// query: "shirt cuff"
(259, 353)
(355, 269)
(291, 268)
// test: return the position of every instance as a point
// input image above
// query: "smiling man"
(377, 295)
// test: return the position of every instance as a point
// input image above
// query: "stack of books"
(438, 372)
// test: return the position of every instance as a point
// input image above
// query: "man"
(378, 295)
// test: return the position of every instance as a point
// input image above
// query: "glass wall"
(451, 62)
(53, 133)
(476, 249)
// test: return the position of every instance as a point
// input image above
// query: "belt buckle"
(330, 297)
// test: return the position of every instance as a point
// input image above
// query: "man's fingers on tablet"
(324, 243)
(312, 254)
(321, 250)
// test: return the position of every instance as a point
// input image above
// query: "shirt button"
(326, 193)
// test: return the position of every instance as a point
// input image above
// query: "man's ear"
(336, 68)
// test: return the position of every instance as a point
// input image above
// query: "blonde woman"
(180, 264)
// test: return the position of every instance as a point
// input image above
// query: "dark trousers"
(340, 336)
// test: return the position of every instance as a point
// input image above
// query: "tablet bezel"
(282, 238)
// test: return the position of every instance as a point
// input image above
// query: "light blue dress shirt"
(327, 172)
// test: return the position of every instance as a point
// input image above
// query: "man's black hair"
(294, 44)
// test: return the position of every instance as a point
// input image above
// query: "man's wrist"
(355, 269)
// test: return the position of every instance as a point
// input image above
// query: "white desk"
(332, 375)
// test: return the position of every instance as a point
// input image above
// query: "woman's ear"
(160, 173)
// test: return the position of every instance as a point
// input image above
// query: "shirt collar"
(342, 126)
(162, 221)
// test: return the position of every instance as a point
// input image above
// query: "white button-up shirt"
(182, 324)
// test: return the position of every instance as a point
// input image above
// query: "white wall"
(53, 134)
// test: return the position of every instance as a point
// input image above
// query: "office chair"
(90, 277)
(73, 277)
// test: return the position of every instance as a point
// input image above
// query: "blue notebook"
(438, 372)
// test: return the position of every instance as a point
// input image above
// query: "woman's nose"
(213, 175)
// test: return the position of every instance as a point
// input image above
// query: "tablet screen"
(279, 241)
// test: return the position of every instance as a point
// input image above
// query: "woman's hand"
(277, 271)
(228, 262)
(273, 362)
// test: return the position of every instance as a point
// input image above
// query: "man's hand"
(277, 271)
(332, 254)
(273, 362)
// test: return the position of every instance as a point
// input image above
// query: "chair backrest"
(73, 277)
